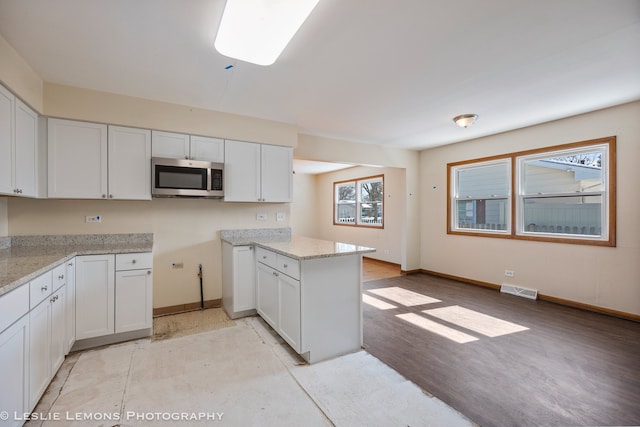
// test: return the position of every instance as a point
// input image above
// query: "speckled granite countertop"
(281, 241)
(27, 257)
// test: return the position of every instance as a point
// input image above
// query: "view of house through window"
(359, 202)
(562, 193)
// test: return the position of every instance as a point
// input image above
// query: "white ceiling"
(314, 167)
(375, 71)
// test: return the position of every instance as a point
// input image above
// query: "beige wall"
(304, 209)
(601, 276)
(332, 150)
(387, 240)
(18, 76)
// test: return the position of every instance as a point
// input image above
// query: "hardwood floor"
(570, 367)
(373, 269)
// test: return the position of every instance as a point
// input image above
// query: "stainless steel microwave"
(186, 178)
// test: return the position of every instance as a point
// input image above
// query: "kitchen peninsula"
(308, 290)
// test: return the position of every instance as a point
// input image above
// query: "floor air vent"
(518, 291)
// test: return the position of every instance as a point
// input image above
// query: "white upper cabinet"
(129, 163)
(18, 146)
(26, 155)
(207, 149)
(96, 161)
(277, 173)
(182, 146)
(7, 102)
(170, 145)
(77, 159)
(257, 172)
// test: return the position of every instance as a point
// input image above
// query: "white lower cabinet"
(267, 294)
(289, 310)
(134, 299)
(95, 296)
(113, 294)
(70, 332)
(238, 280)
(47, 326)
(14, 370)
(278, 295)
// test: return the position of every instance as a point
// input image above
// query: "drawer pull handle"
(133, 261)
(44, 288)
(264, 257)
(61, 276)
(285, 266)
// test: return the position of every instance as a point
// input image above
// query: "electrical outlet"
(509, 273)
(261, 217)
(95, 218)
(177, 265)
(280, 216)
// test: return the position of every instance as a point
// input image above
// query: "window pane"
(346, 192)
(482, 214)
(574, 173)
(565, 215)
(488, 180)
(346, 213)
(371, 202)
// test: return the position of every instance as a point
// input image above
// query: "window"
(563, 193)
(481, 196)
(359, 202)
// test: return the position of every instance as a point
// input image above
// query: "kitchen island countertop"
(294, 246)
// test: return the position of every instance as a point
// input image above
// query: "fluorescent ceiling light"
(257, 31)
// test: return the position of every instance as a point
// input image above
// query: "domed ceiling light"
(465, 120)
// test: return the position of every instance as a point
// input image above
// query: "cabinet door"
(39, 350)
(241, 171)
(14, 371)
(267, 294)
(129, 163)
(77, 159)
(289, 310)
(26, 156)
(133, 300)
(58, 329)
(94, 296)
(277, 173)
(7, 101)
(170, 145)
(70, 306)
(244, 286)
(207, 149)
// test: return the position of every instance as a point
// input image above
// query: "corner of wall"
(17, 75)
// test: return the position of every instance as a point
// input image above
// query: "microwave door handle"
(208, 179)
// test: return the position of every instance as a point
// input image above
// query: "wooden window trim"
(356, 180)
(513, 234)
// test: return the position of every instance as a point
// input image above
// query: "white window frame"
(455, 198)
(521, 227)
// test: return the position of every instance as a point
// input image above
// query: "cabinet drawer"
(288, 266)
(59, 276)
(13, 306)
(40, 288)
(134, 261)
(266, 257)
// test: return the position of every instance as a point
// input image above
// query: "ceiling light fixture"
(465, 120)
(257, 31)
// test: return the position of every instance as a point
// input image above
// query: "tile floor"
(241, 374)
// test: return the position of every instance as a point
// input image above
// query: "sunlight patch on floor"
(478, 322)
(437, 328)
(403, 296)
(375, 302)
